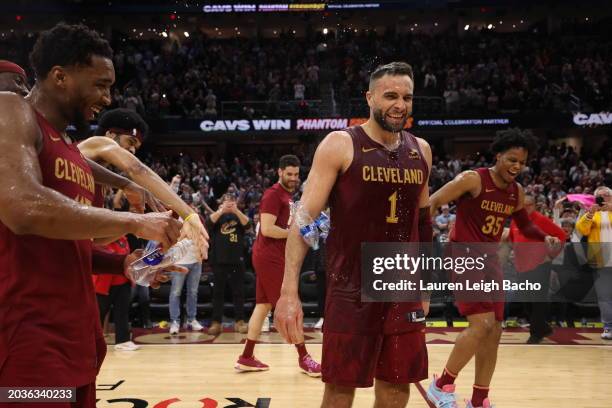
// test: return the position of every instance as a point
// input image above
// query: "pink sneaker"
(485, 404)
(309, 366)
(250, 364)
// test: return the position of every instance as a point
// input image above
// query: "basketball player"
(363, 341)
(269, 264)
(48, 314)
(13, 78)
(120, 133)
(486, 198)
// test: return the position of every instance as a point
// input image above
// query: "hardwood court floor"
(196, 375)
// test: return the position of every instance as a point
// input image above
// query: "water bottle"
(142, 271)
(310, 234)
(323, 223)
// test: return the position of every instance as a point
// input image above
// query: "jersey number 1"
(392, 217)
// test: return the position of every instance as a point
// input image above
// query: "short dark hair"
(288, 160)
(392, 68)
(67, 45)
(513, 138)
(228, 197)
(121, 118)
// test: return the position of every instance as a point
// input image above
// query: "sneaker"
(310, 367)
(442, 398)
(319, 324)
(174, 328)
(536, 339)
(250, 364)
(266, 324)
(241, 327)
(607, 334)
(193, 325)
(485, 404)
(127, 346)
(215, 329)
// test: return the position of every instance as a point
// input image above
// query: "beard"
(380, 119)
(289, 185)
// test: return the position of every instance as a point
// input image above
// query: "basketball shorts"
(268, 280)
(363, 341)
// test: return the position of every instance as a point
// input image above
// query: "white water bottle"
(142, 271)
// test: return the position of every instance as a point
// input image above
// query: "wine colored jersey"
(375, 200)
(276, 201)
(482, 218)
(48, 312)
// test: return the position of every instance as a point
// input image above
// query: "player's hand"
(160, 227)
(425, 306)
(194, 230)
(289, 318)
(161, 276)
(138, 197)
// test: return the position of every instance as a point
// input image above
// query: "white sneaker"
(607, 334)
(127, 346)
(266, 323)
(194, 325)
(319, 324)
(174, 328)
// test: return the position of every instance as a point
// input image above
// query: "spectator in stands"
(227, 228)
(596, 225)
(192, 278)
(444, 220)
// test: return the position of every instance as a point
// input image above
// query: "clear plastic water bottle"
(310, 234)
(323, 223)
(142, 271)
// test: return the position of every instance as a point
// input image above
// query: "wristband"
(190, 216)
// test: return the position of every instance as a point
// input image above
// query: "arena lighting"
(490, 26)
(467, 27)
(325, 31)
(164, 34)
(186, 34)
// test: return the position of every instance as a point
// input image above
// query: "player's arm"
(269, 228)
(45, 212)
(103, 148)
(467, 182)
(425, 225)
(136, 195)
(524, 224)
(333, 156)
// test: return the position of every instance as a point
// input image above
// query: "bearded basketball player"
(366, 341)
